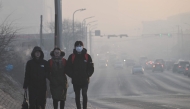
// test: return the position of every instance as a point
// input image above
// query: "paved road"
(119, 89)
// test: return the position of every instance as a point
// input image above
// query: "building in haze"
(168, 26)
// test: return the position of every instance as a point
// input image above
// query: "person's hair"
(57, 48)
(78, 43)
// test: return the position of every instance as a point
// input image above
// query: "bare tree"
(7, 34)
(67, 31)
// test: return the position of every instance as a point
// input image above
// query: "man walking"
(35, 79)
(80, 68)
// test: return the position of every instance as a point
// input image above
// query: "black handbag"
(25, 102)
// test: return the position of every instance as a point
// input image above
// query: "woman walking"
(57, 76)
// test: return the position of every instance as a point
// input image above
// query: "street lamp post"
(90, 35)
(92, 26)
(84, 28)
(74, 20)
(86, 33)
(84, 20)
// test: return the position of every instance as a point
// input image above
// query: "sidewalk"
(7, 102)
(69, 104)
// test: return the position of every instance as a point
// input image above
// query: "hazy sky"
(118, 16)
(114, 16)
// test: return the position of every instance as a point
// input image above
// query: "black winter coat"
(36, 73)
(80, 69)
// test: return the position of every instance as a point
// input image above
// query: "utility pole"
(58, 24)
(41, 26)
(182, 47)
(178, 41)
(86, 37)
(90, 45)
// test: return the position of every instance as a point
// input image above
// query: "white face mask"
(79, 49)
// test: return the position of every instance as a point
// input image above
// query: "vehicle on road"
(143, 60)
(119, 65)
(149, 65)
(158, 65)
(168, 65)
(137, 70)
(129, 62)
(181, 66)
(175, 66)
(187, 69)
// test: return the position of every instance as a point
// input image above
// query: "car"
(137, 69)
(168, 65)
(149, 65)
(129, 62)
(158, 65)
(181, 66)
(187, 69)
(119, 65)
(175, 66)
(143, 60)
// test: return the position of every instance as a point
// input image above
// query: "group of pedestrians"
(79, 67)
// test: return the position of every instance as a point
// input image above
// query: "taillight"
(179, 66)
(153, 65)
(162, 65)
(187, 69)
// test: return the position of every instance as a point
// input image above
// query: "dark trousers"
(37, 105)
(55, 104)
(77, 89)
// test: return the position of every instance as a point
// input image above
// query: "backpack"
(51, 62)
(73, 57)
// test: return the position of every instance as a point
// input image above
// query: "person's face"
(57, 53)
(37, 54)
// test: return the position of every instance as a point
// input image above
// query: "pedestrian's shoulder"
(29, 61)
(88, 55)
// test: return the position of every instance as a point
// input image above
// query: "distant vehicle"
(119, 65)
(169, 64)
(158, 65)
(129, 62)
(181, 66)
(175, 66)
(149, 65)
(137, 69)
(143, 60)
(187, 70)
